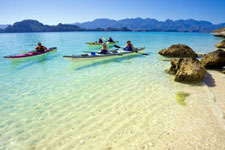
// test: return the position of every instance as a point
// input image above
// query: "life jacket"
(128, 47)
(100, 41)
(40, 49)
(110, 40)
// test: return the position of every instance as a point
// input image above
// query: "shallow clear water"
(51, 103)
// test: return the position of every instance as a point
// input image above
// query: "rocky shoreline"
(190, 67)
(208, 69)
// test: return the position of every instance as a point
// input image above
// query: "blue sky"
(70, 11)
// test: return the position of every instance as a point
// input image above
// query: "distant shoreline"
(108, 31)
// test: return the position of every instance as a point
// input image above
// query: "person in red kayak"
(40, 48)
(129, 46)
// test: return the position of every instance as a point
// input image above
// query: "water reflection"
(21, 64)
(94, 63)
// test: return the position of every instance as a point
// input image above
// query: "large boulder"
(221, 44)
(187, 70)
(178, 50)
(215, 59)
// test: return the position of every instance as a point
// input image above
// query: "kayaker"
(100, 40)
(110, 39)
(104, 49)
(129, 46)
(40, 48)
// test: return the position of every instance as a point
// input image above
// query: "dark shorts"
(103, 52)
(128, 49)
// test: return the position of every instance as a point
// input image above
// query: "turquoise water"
(51, 103)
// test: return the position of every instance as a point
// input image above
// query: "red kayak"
(30, 54)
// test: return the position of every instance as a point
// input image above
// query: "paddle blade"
(141, 53)
(117, 46)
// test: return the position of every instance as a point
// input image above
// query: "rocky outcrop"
(187, 70)
(221, 44)
(214, 60)
(220, 30)
(178, 50)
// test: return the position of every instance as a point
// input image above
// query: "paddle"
(134, 51)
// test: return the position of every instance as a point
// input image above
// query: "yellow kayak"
(100, 44)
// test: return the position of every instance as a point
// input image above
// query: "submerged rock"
(221, 44)
(181, 96)
(178, 50)
(187, 70)
(215, 59)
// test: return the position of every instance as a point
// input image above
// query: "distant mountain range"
(139, 24)
(35, 26)
(3, 26)
(136, 24)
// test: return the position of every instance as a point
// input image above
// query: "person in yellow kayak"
(104, 49)
(100, 40)
(110, 39)
(129, 46)
(40, 48)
